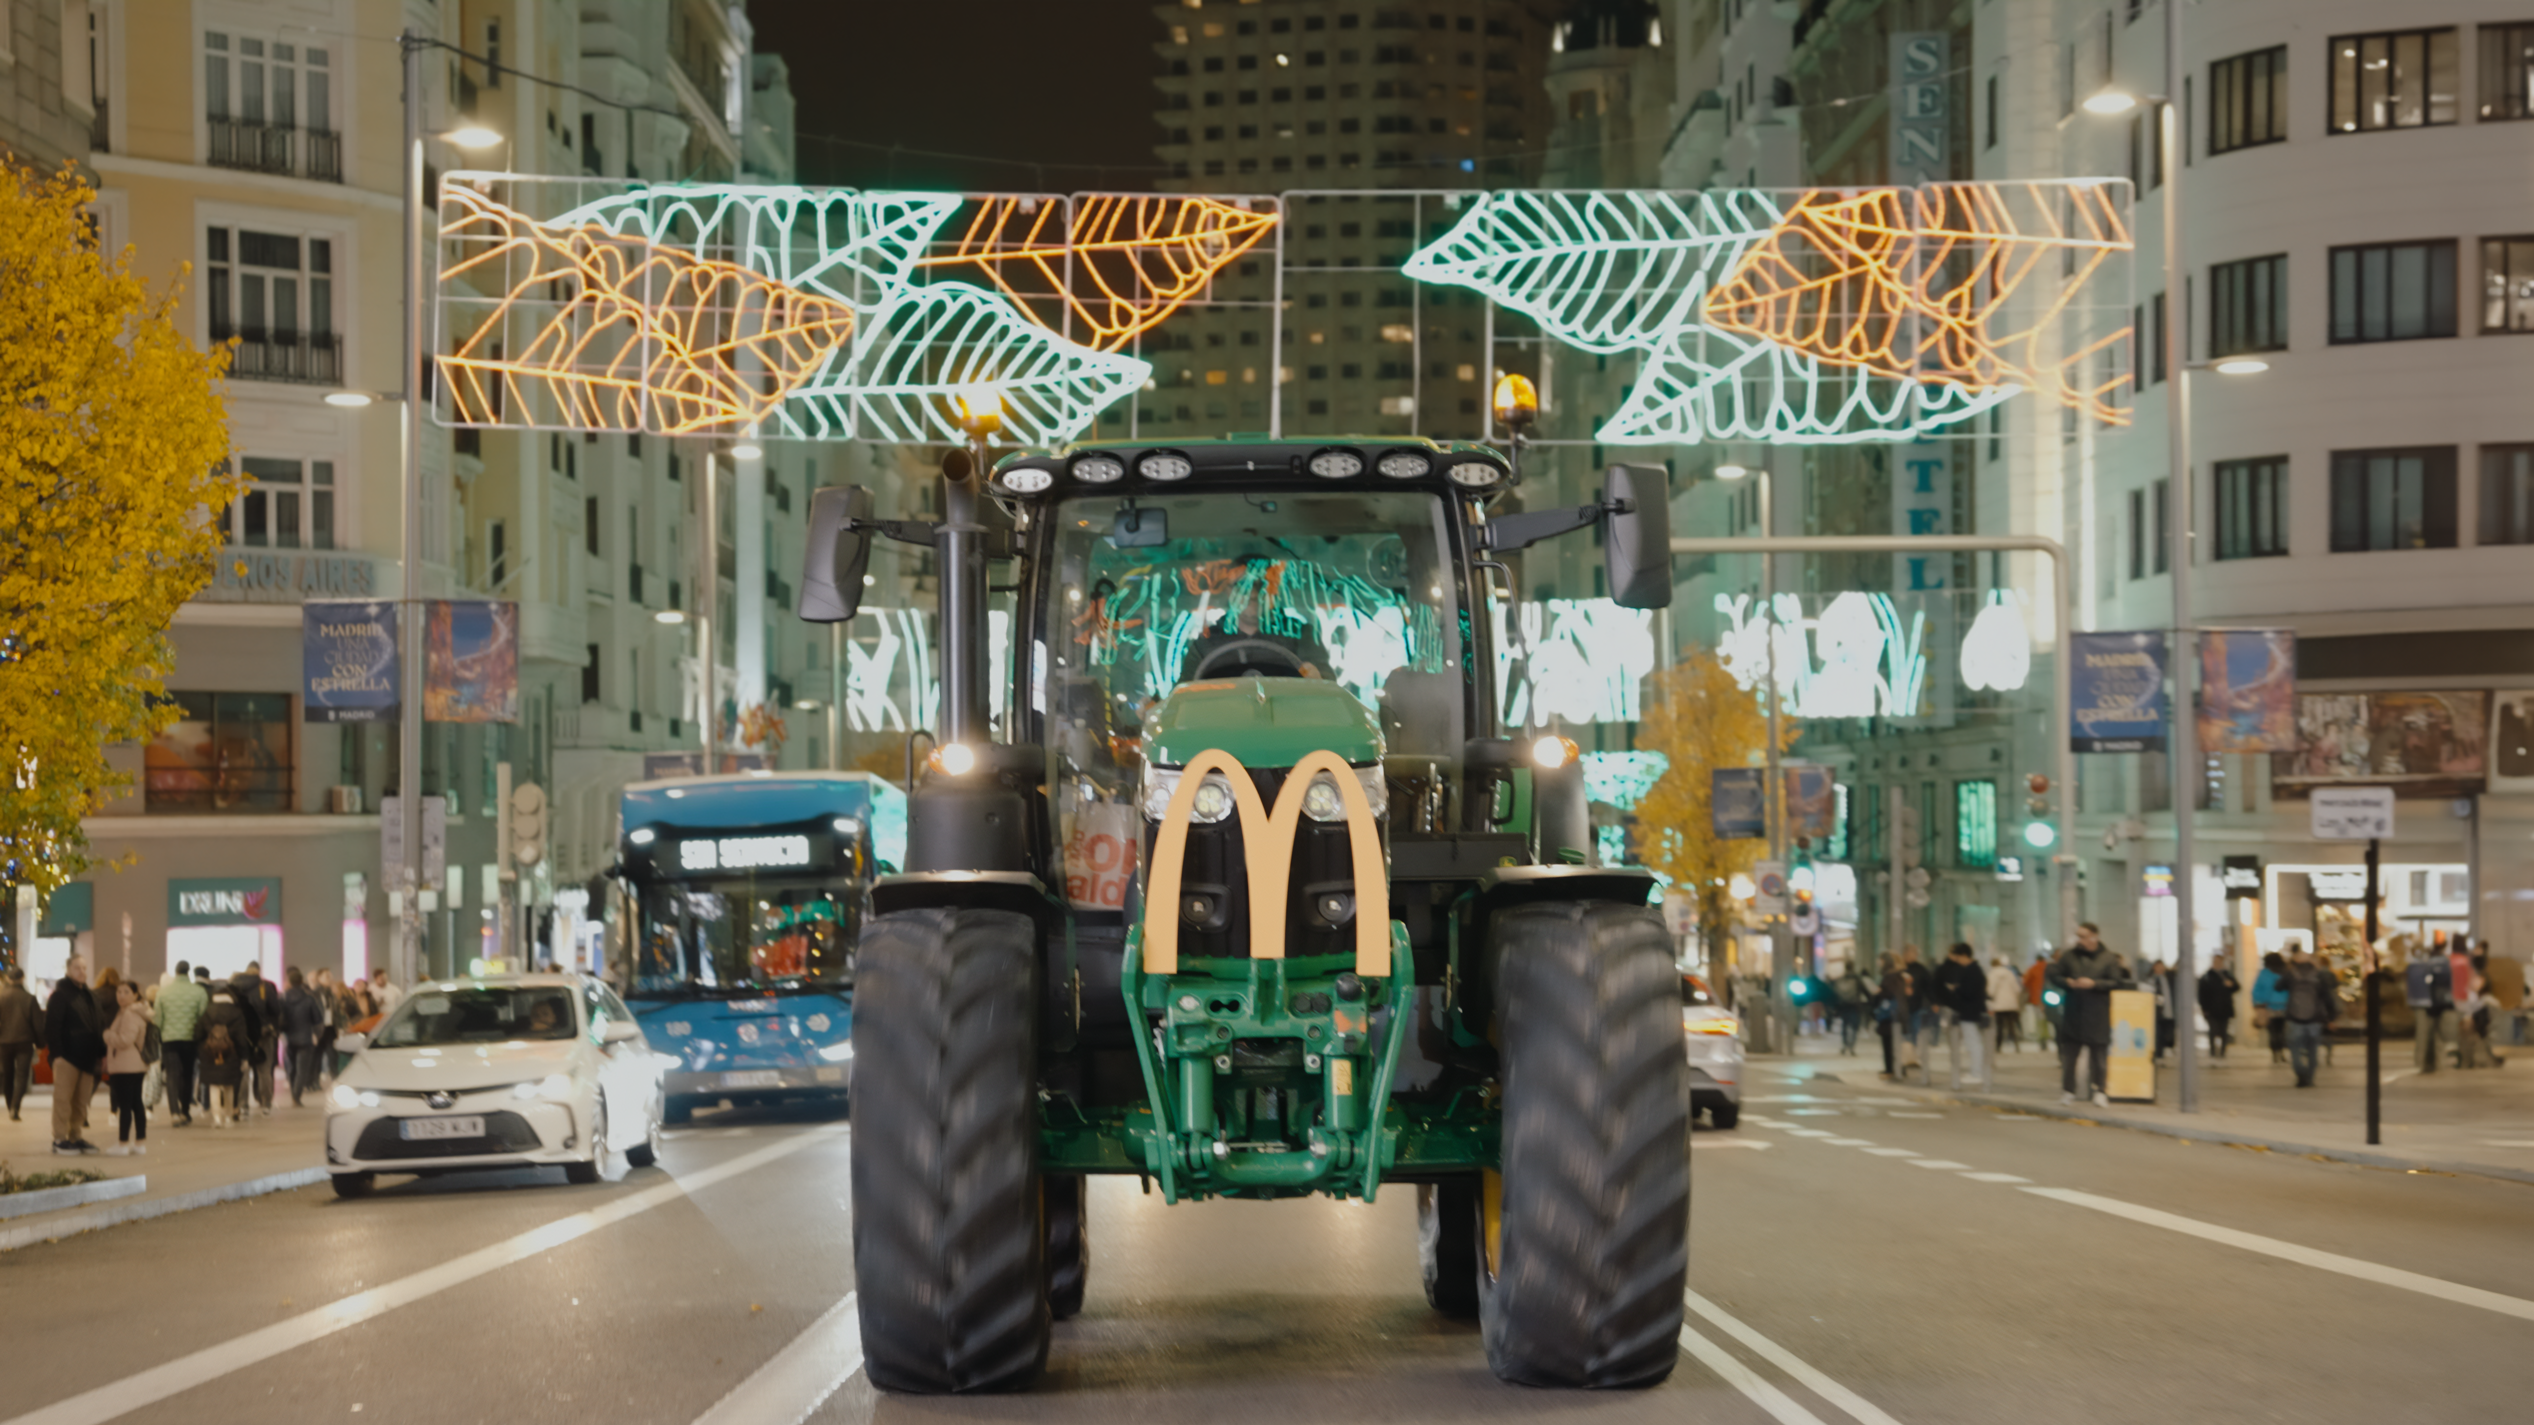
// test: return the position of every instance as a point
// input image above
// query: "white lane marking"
(789, 1389)
(1849, 1142)
(145, 1388)
(1866, 1412)
(1913, 1115)
(1945, 1164)
(1812, 1113)
(1777, 1403)
(1807, 1132)
(2293, 1252)
(1706, 1143)
(1893, 1152)
(1995, 1178)
(2508, 1142)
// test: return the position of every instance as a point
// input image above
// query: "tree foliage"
(1700, 719)
(114, 458)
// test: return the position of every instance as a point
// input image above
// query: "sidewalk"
(185, 1167)
(2480, 1122)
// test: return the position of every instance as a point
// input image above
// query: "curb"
(22, 1204)
(117, 1214)
(2089, 1114)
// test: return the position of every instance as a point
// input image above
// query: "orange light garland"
(1121, 264)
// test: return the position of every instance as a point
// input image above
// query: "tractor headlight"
(1323, 801)
(1210, 803)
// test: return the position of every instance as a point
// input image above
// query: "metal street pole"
(407, 957)
(1772, 798)
(2367, 973)
(2188, 776)
(707, 601)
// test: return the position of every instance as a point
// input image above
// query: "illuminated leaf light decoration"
(1117, 263)
(1858, 658)
(1997, 652)
(1754, 313)
(1570, 661)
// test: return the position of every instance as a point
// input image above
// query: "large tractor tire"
(1447, 1245)
(1583, 1240)
(1068, 1241)
(948, 1256)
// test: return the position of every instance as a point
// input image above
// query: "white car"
(1715, 1054)
(504, 1071)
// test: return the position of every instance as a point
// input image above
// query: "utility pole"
(2188, 775)
(406, 959)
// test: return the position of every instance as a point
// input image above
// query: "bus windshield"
(744, 935)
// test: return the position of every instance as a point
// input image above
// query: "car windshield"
(479, 1014)
(744, 935)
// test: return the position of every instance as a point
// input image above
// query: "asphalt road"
(1876, 1261)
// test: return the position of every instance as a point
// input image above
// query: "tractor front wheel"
(948, 1255)
(1068, 1241)
(1584, 1240)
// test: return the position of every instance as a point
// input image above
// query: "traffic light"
(2039, 832)
(527, 823)
(1801, 989)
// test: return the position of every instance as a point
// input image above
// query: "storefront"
(226, 924)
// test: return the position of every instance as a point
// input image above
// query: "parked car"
(502, 1071)
(1714, 1036)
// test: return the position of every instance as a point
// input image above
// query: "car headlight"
(345, 1096)
(1322, 801)
(1211, 802)
(1719, 1026)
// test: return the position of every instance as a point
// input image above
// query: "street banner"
(2419, 744)
(2116, 700)
(1736, 808)
(2130, 1070)
(2247, 690)
(347, 655)
(1811, 802)
(472, 672)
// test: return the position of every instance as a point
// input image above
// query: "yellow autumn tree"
(1700, 720)
(114, 456)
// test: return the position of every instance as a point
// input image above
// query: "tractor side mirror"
(838, 554)
(1638, 542)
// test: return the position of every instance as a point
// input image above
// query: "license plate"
(413, 1128)
(753, 1079)
(831, 1074)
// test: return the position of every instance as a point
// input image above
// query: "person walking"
(2313, 1002)
(1909, 1008)
(330, 1007)
(126, 1038)
(2218, 988)
(1850, 992)
(2161, 978)
(21, 1019)
(2005, 1005)
(263, 1006)
(1890, 999)
(2085, 974)
(78, 1045)
(303, 1016)
(180, 1006)
(2045, 1015)
(2270, 1004)
(2428, 982)
(222, 1061)
(383, 995)
(1960, 993)
(2473, 1022)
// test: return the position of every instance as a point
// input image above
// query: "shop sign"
(2349, 885)
(2351, 813)
(2116, 700)
(2241, 876)
(69, 910)
(1735, 806)
(2157, 881)
(233, 900)
(289, 577)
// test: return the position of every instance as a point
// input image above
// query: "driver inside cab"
(1236, 648)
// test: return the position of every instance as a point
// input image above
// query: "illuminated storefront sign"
(743, 853)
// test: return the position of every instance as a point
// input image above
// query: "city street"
(1857, 1255)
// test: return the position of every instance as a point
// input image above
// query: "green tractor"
(1255, 896)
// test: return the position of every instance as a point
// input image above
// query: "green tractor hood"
(1265, 722)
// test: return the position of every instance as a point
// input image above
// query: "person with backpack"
(1960, 991)
(2313, 1002)
(223, 1055)
(2270, 1004)
(263, 1006)
(303, 1018)
(1849, 990)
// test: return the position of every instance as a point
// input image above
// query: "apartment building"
(262, 146)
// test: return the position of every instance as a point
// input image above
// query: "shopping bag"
(153, 1086)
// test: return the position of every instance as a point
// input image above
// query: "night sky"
(1007, 84)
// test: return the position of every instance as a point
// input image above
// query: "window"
(2393, 291)
(2248, 306)
(2164, 523)
(2252, 508)
(589, 525)
(589, 675)
(1988, 116)
(274, 294)
(2507, 64)
(2402, 80)
(2507, 284)
(2393, 499)
(270, 107)
(2137, 534)
(1975, 824)
(2248, 100)
(227, 752)
(2507, 494)
(288, 504)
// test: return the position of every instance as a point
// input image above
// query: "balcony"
(314, 359)
(271, 148)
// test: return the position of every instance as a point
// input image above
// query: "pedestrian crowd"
(189, 1043)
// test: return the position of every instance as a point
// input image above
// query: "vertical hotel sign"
(1922, 106)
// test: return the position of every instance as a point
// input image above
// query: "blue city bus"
(748, 895)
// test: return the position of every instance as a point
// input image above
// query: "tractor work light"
(1164, 465)
(1025, 481)
(1405, 465)
(1337, 464)
(1099, 469)
(954, 759)
(1552, 752)
(1474, 474)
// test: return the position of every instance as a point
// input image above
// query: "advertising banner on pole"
(1736, 808)
(2116, 700)
(2247, 690)
(2419, 744)
(1811, 801)
(347, 655)
(472, 661)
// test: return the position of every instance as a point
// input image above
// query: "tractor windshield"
(1353, 587)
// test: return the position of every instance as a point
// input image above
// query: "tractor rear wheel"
(1447, 1245)
(948, 1255)
(1068, 1241)
(1584, 1249)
